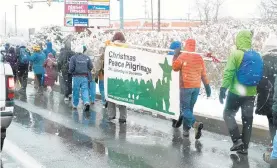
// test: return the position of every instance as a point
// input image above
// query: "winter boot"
(186, 133)
(177, 123)
(238, 145)
(106, 105)
(243, 151)
(266, 157)
(87, 106)
(122, 121)
(198, 126)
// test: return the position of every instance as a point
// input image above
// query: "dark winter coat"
(64, 59)
(21, 67)
(80, 64)
(11, 58)
(265, 88)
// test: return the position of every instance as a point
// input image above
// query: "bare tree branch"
(269, 10)
(218, 4)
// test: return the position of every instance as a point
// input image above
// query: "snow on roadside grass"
(213, 108)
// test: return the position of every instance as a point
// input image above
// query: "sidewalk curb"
(211, 124)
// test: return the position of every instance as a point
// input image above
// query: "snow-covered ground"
(212, 108)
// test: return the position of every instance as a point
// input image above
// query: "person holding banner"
(176, 46)
(192, 69)
(117, 38)
(97, 76)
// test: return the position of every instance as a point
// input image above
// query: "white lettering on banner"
(140, 79)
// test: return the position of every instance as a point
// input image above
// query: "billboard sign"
(87, 12)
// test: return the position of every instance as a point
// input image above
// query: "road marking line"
(20, 155)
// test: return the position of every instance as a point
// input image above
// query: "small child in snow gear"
(50, 71)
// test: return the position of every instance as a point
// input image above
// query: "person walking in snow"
(193, 70)
(50, 72)
(242, 74)
(37, 59)
(97, 76)
(271, 155)
(265, 89)
(117, 38)
(80, 65)
(10, 56)
(49, 49)
(63, 66)
(23, 66)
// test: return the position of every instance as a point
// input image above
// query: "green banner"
(142, 80)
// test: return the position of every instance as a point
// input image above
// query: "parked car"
(7, 89)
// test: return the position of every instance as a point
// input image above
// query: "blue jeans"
(274, 152)
(92, 91)
(80, 82)
(188, 98)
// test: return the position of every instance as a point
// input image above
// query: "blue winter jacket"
(37, 59)
(49, 49)
(80, 64)
(173, 46)
(274, 152)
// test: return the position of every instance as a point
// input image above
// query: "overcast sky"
(42, 14)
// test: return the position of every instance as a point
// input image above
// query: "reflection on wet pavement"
(130, 145)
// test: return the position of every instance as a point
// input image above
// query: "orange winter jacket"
(191, 66)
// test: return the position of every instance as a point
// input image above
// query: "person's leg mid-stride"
(233, 103)
(187, 101)
(92, 91)
(102, 92)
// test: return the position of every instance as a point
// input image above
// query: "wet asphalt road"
(55, 136)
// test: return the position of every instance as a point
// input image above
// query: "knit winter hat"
(174, 45)
(118, 36)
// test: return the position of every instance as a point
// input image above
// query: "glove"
(177, 52)
(208, 90)
(222, 95)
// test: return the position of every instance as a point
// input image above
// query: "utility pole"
(15, 22)
(159, 15)
(152, 15)
(121, 14)
(5, 23)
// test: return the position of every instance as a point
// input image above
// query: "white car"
(7, 87)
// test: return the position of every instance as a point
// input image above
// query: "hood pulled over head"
(190, 45)
(244, 40)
